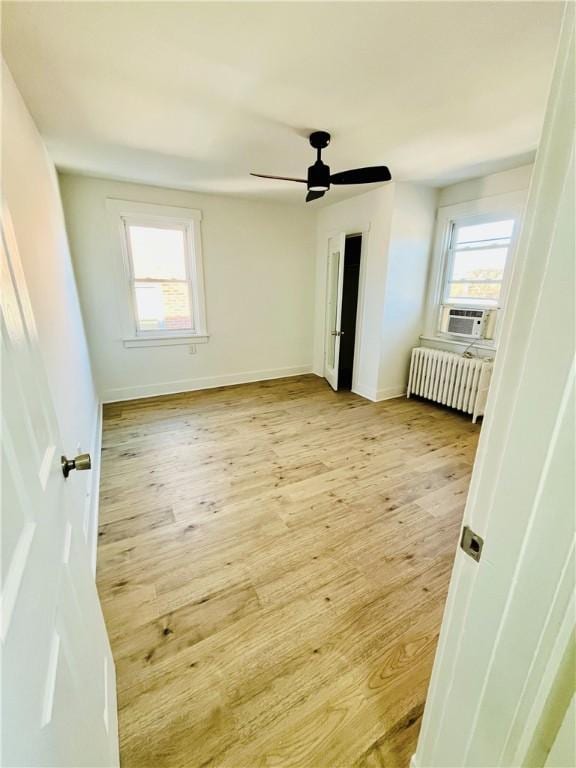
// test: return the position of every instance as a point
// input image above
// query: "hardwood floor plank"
(273, 564)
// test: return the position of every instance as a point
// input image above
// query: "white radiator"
(456, 381)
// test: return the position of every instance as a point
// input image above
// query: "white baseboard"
(118, 394)
(318, 370)
(368, 392)
(377, 395)
(389, 393)
(93, 500)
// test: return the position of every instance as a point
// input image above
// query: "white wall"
(30, 191)
(407, 278)
(514, 180)
(259, 279)
(397, 222)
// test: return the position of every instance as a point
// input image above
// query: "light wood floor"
(273, 564)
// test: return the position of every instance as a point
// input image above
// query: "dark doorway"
(352, 252)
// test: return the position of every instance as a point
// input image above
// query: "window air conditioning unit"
(469, 323)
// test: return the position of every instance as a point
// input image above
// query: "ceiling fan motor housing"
(319, 139)
(318, 177)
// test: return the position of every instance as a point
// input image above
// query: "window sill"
(164, 340)
(487, 345)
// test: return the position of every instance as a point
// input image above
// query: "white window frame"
(125, 213)
(448, 260)
(498, 207)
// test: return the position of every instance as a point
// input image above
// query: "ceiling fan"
(319, 176)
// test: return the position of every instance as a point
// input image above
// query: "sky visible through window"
(157, 253)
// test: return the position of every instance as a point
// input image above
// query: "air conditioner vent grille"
(466, 322)
(467, 312)
(460, 325)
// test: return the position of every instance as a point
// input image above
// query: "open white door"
(58, 682)
(501, 685)
(335, 281)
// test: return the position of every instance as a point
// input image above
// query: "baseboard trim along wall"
(115, 395)
(377, 395)
(368, 392)
(93, 495)
(390, 393)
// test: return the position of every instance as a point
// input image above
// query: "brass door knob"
(80, 462)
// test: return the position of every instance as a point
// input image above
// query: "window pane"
(163, 306)
(485, 292)
(490, 230)
(157, 253)
(486, 264)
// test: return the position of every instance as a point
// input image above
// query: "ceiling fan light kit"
(319, 178)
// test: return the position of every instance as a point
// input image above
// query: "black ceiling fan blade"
(314, 195)
(279, 178)
(362, 175)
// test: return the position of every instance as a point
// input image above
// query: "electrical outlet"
(192, 349)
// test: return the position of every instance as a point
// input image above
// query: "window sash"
(467, 222)
(492, 246)
(479, 245)
(159, 280)
(129, 221)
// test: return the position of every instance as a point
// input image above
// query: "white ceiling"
(196, 95)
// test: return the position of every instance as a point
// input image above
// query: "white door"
(58, 683)
(502, 680)
(335, 281)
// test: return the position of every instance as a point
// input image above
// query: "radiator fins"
(450, 379)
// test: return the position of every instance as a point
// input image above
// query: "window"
(164, 300)
(476, 262)
(472, 260)
(160, 279)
